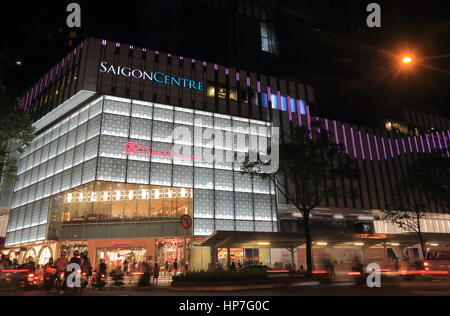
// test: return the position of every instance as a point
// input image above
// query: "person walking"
(166, 268)
(175, 267)
(156, 271)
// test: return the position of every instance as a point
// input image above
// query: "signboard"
(186, 221)
(158, 77)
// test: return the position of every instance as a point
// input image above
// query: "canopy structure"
(228, 239)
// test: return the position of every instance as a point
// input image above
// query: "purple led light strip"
(336, 134)
(377, 147)
(344, 135)
(391, 148)
(369, 145)
(362, 146)
(353, 142)
(384, 148)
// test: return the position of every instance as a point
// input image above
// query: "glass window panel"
(204, 204)
(245, 226)
(224, 205)
(138, 172)
(203, 227)
(141, 129)
(142, 111)
(81, 133)
(94, 127)
(111, 170)
(161, 174)
(117, 107)
(224, 180)
(224, 225)
(204, 178)
(163, 132)
(163, 114)
(244, 203)
(183, 176)
(115, 125)
(113, 147)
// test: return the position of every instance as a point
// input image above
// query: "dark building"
(325, 44)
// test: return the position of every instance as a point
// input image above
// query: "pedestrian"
(156, 274)
(233, 267)
(175, 267)
(166, 268)
(125, 267)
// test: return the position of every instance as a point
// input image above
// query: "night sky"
(420, 28)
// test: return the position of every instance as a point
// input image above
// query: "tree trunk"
(422, 242)
(309, 259)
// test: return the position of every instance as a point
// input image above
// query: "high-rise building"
(125, 134)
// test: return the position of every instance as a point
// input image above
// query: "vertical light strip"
(422, 143)
(404, 146)
(369, 145)
(434, 140)
(384, 148)
(439, 141)
(336, 134)
(344, 135)
(299, 113)
(377, 147)
(410, 144)
(391, 148)
(397, 146)
(363, 154)
(446, 144)
(428, 143)
(289, 108)
(417, 144)
(308, 117)
(352, 133)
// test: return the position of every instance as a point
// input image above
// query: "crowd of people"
(117, 271)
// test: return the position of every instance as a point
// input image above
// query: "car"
(438, 259)
(262, 268)
(18, 279)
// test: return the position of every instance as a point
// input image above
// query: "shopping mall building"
(108, 174)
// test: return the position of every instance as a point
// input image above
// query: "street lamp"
(407, 60)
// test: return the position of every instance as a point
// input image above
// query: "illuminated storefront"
(115, 170)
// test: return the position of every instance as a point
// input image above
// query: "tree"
(309, 165)
(426, 184)
(16, 132)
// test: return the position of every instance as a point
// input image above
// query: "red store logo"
(133, 149)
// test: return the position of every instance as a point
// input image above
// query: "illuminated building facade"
(107, 173)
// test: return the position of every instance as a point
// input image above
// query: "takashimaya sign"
(133, 149)
(158, 77)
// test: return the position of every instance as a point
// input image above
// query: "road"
(414, 288)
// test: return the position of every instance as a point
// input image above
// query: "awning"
(228, 239)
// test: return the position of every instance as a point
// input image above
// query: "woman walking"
(156, 274)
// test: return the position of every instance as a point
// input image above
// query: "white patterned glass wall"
(90, 145)
(62, 157)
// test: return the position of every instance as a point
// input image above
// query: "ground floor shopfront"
(281, 251)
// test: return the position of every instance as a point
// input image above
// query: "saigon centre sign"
(158, 77)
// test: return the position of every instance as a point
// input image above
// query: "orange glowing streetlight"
(407, 60)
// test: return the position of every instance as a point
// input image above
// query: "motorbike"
(144, 280)
(60, 279)
(99, 281)
(118, 279)
(48, 281)
(84, 280)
